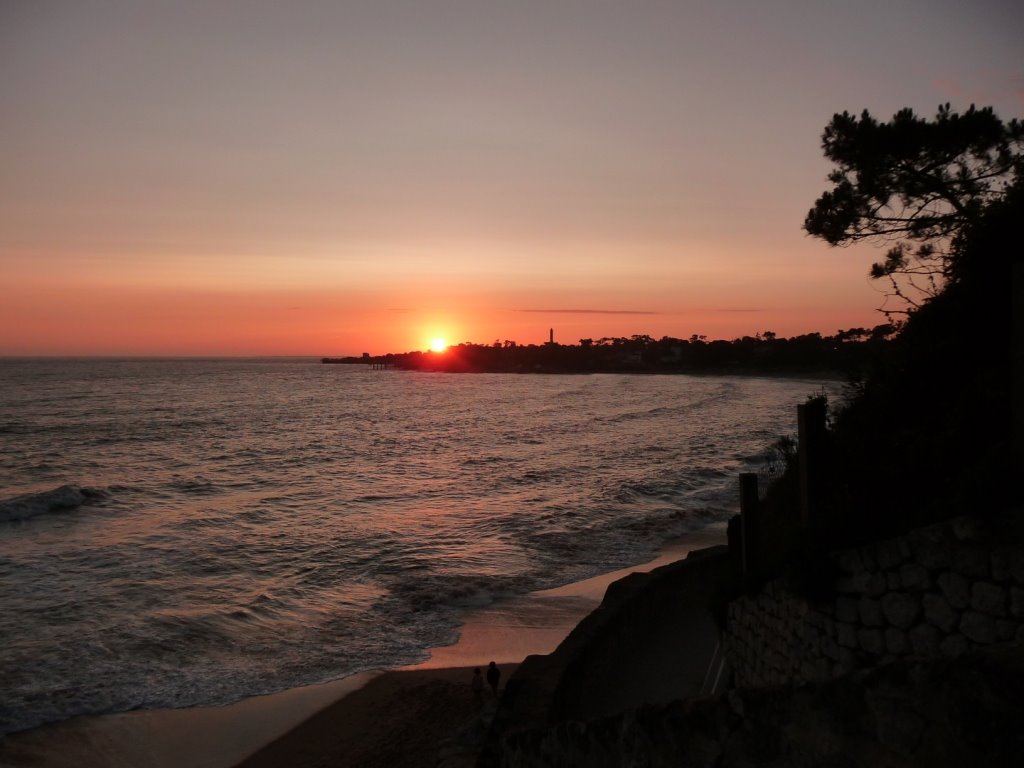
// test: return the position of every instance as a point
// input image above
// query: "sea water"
(189, 532)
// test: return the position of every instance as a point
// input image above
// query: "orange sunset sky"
(326, 178)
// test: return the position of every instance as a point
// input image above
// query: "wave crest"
(32, 504)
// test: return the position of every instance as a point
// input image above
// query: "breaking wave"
(64, 498)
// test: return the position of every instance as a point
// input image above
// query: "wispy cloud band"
(590, 311)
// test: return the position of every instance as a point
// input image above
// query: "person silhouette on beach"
(478, 685)
(493, 677)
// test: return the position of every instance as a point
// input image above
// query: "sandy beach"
(402, 719)
(396, 718)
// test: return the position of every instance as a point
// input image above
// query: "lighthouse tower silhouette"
(551, 336)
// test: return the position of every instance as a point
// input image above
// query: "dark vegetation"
(919, 186)
(927, 434)
(846, 353)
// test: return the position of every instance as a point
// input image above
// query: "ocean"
(187, 532)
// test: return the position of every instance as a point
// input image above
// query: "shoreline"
(220, 737)
(815, 374)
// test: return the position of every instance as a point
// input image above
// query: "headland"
(842, 354)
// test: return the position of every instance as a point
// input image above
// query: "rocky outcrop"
(610, 662)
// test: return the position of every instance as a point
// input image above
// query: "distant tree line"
(847, 353)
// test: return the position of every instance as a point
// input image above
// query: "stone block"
(856, 583)
(1019, 637)
(870, 612)
(901, 609)
(978, 627)
(971, 560)
(914, 576)
(806, 632)
(903, 543)
(935, 532)
(846, 610)
(954, 645)
(830, 649)
(896, 641)
(966, 528)
(888, 554)
(813, 646)
(924, 639)
(1017, 602)
(955, 588)
(846, 635)
(822, 670)
(871, 641)
(1005, 630)
(867, 557)
(849, 560)
(938, 612)
(988, 598)
(935, 555)
(808, 671)
(876, 585)
(893, 580)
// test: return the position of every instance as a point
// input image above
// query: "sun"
(438, 345)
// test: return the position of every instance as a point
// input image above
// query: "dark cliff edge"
(611, 661)
(949, 712)
(630, 685)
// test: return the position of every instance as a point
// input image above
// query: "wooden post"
(1017, 361)
(748, 523)
(811, 452)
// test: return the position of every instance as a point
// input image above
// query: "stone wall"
(935, 592)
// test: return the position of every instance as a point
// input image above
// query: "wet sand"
(399, 720)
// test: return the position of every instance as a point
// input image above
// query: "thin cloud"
(590, 311)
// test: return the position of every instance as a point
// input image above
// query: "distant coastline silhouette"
(845, 352)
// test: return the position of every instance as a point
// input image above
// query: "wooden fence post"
(748, 522)
(811, 452)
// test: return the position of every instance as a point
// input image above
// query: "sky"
(232, 177)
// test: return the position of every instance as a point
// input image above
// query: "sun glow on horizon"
(438, 345)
